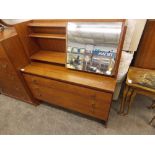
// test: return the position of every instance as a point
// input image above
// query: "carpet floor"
(17, 117)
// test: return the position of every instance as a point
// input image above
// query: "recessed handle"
(40, 95)
(34, 80)
(93, 103)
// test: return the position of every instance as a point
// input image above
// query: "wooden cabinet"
(83, 92)
(145, 56)
(49, 80)
(12, 58)
(88, 101)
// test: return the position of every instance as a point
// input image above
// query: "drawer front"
(84, 100)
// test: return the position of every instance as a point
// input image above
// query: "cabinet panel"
(145, 57)
(9, 81)
(15, 52)
(84, 100)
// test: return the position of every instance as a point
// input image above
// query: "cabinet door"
(145, 57)
(10, 83)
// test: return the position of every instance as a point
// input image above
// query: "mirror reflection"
(92, 47)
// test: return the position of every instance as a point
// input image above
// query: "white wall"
(134, 31)
(14, 21)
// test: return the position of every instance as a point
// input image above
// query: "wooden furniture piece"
(12, 59)
(145, 57)
(152, 120)
(48, 79)
(139, 81)
(152, 107)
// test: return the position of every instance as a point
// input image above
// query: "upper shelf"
(47, 24)
(49, 56)
(45, 35)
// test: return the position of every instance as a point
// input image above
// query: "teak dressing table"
(36, 53)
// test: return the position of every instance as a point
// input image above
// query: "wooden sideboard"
(43, 69)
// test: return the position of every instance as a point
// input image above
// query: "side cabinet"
(12, 58)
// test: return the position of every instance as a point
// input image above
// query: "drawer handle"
(34, 80)
(93, 108)
(40, 95)
(93, 103)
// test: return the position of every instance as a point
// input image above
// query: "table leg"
(152, 120)
(132, 96)
(152, 106)
(125, 92)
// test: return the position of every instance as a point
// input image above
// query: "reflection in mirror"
(92, 47)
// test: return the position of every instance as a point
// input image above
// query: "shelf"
(44, 35)
(47, 24)
(49, 56)
(60, 73)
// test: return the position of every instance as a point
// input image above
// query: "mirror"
(92, 46)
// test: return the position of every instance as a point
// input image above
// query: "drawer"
(85, 100)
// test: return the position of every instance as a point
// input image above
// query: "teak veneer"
(49, 56)
(87, 101)
(51, 36)
(47, 24)
(145, 55)
(98, 82)
(12, 58)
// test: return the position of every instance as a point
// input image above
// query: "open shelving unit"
(48, 35)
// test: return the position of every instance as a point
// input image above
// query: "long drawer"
(84, 100)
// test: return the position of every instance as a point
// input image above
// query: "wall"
(135, 29)
(14, 21)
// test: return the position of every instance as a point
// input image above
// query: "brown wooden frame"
(120, 45)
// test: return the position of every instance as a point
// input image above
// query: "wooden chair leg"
(152, 120)
(122, 106)
(152, 106)
(132, 96)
